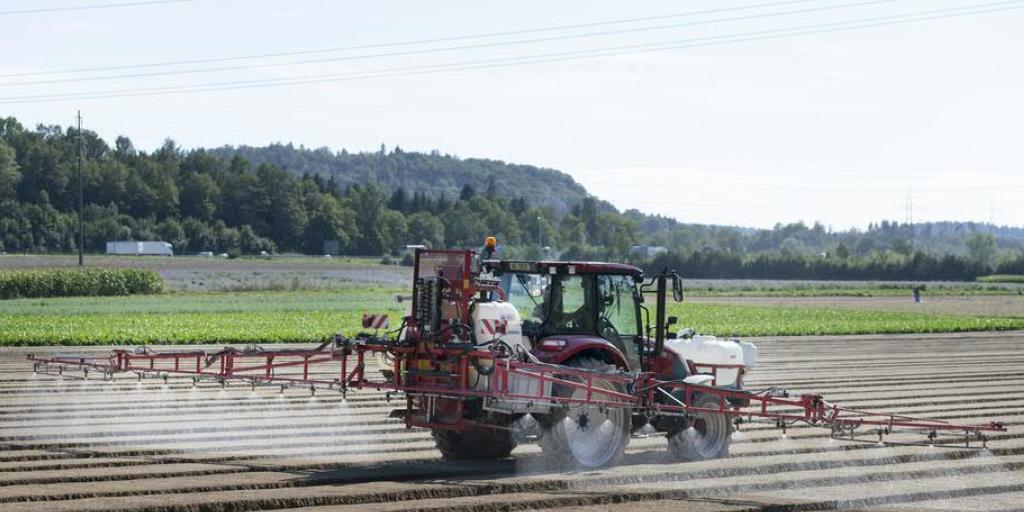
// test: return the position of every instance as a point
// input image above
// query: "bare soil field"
(969, 305)
(144, 446)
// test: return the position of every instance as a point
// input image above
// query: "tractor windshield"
(568, 306)
(527, 292)
(553, 304)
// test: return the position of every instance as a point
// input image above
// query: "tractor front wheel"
(708, 435)
(586, 435)
(477, 444)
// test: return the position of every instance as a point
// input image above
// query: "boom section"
(427, 373)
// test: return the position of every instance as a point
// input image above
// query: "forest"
(287, 199)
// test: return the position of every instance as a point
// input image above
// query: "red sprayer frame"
(341, 364)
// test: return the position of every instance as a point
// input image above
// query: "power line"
(541, 58)
(406, 43)
(90, 7)
(456, 48)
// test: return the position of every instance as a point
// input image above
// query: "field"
(261, 317)
(303, 299)
(268, 317)
(195, 274)
(776, 288)
(87, 445)
(127, 446)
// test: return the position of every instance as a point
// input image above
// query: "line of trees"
(201, 200)
(917, 266)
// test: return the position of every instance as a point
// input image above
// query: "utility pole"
(540, 234)
(81, 196)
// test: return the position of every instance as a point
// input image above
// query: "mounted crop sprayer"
(569, 349)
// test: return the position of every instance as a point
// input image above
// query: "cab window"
(617, 315)
(569, 305)
(527, 292)
(618, 304)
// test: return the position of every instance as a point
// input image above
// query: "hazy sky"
(838, 127)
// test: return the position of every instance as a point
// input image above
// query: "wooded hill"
(433, 174)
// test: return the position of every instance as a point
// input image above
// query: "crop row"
(1002, 278)
(77, 283)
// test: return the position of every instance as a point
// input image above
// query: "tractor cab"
(577, 309)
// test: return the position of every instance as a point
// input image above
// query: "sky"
(736, 112)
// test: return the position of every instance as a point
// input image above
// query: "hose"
(480, 369)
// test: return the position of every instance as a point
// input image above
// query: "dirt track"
(94, 445)
(1007, 306)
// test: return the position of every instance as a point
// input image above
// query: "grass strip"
(1002, 278)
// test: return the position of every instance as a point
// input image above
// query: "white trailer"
(134, 248)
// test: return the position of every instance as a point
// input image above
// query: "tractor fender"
(669, 365)
(559, 349)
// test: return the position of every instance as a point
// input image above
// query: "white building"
(647, 251)
(140, 248)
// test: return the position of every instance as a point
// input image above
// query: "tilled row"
(69, 447)
(283, 476)
(640, 485)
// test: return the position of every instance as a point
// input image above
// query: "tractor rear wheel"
(586, 435)
(708, 435)
(478, 444)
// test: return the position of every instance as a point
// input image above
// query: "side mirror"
(669, 322)
(677, 287)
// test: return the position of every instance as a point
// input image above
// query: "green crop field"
(268, 317)
(753, 320)
(263, 317)
(1002, 278)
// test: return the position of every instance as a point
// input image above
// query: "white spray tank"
(500, 321)
(709, 350)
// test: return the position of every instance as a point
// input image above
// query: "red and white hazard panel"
(375, 322)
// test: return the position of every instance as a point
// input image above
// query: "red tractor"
(589, 316)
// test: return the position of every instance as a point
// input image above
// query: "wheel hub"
(582, 420)
(701, 426)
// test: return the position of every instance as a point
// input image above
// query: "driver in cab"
(568, 308)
